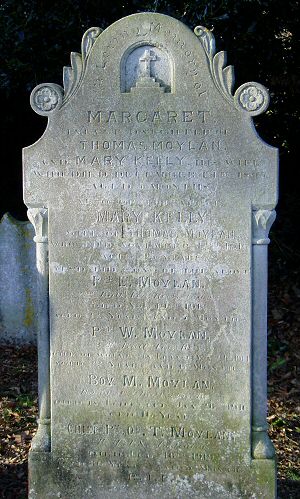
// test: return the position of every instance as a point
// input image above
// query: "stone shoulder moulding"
(47, 98)
(251, 97)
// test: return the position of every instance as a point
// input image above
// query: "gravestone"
(18, 300)
(153, 196)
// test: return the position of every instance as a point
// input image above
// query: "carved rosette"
(39, 219)
(250, 97)
(47, 98)
(262, 221)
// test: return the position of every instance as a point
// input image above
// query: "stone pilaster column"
(262, 220)
(39, 218)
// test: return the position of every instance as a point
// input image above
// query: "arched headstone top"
(151, 70)
(154, 46)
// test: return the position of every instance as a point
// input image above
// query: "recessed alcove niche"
(146, 66)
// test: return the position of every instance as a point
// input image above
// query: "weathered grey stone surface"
(159, 196)
(18, 293)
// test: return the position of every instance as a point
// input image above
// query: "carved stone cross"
(146, 58)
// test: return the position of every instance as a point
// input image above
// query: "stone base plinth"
(51, 477)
